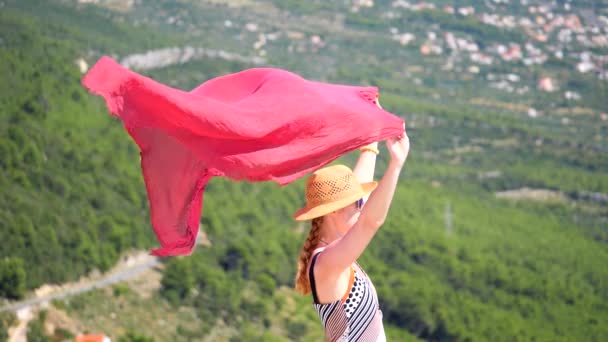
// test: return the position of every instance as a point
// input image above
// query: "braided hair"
(302, 281)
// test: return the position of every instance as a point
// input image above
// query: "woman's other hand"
(399, 148)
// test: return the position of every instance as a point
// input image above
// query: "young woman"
(344, 221)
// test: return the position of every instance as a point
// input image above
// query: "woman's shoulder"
(316, 256)
(312, 259)
(317, 253)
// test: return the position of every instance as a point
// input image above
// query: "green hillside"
(65, 164)
(469, 252)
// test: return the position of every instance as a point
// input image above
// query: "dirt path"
(19, 332)
(129, 267)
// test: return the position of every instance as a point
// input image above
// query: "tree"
(177, 280)
(12, 278)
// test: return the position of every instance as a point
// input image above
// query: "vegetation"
(177, 280)
(135, 337)
(453, 261)
(55, 195)
(12, 278)
(35, 329)
(7, 319)
(3, 332)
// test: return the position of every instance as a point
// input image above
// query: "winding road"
(130, 271)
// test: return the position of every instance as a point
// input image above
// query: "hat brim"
(309, 213)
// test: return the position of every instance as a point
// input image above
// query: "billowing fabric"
(256, 125)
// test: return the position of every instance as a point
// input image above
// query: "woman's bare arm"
(343, 252)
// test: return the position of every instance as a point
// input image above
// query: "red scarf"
(256, 125)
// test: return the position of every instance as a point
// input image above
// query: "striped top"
(356, 316)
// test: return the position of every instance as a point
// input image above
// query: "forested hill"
(498, 230)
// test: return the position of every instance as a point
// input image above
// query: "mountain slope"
(456, 260)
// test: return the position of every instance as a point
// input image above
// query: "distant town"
(553, 31)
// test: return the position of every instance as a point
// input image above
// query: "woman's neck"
(329, 232)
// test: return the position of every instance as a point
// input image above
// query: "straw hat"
(330, 189)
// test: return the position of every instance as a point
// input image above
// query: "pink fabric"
(256, 125)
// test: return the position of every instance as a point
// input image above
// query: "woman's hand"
(399, 148)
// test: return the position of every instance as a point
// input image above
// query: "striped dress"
(356, 316)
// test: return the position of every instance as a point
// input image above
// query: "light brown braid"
(302, 282)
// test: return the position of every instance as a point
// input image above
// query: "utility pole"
(448, 218)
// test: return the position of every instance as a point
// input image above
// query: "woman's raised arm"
(344, 251)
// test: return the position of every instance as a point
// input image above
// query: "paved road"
(109, 279)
